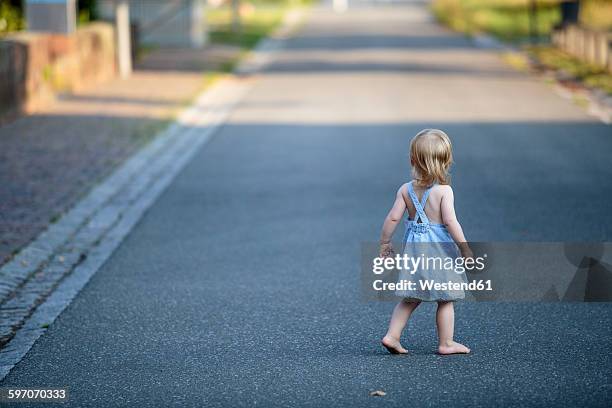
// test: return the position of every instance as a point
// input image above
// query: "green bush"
(87, 10)
(11, 18)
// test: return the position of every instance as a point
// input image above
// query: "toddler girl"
(428, 200)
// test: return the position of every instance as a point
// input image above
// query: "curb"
(599, 105)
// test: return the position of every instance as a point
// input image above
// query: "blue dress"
(424, 239)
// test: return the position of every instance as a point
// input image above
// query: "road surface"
(240, 286)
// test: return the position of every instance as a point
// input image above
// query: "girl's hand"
(386, 250)
(466, 252)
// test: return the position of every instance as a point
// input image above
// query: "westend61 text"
(430, 284)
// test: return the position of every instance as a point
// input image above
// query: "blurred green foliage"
(509, 19)
(505, 19)
(87, 10)
(11, 17)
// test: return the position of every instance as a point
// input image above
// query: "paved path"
(240, 286)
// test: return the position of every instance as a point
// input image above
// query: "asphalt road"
(240, 286)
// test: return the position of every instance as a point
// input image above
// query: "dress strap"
(424, 198)
(419, 206)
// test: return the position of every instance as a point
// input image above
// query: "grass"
(509, 19)
(518, 60)
(258, 19)
(591, 75)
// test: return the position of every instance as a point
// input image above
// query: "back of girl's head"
(431, 155)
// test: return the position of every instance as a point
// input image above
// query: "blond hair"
(431, 155)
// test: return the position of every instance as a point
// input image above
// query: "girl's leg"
(445, 320)
(399, 318)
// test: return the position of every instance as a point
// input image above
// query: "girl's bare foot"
(393, 345)
(452, 347)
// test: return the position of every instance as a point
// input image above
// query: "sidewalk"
(50, 159)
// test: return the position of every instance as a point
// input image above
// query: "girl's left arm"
(393, 218)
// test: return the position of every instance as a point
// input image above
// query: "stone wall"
(35, 66)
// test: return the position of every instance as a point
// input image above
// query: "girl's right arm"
(449, 218)
(393, 218)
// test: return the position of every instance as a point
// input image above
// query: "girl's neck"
(420, 183)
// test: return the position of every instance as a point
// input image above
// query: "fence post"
(198, 32)
(589, 46)
(578, 43)
(122, 26)
(571, 40)
(563, 38)
(581, 46)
